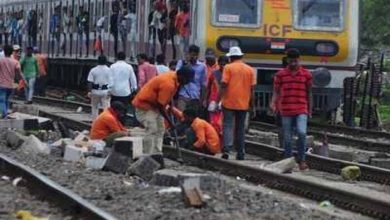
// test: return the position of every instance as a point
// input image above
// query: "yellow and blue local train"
(325, 31)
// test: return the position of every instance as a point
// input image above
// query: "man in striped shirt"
(292, 99)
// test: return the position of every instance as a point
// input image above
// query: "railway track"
(42, 187)
(370, 205)
(357, 140)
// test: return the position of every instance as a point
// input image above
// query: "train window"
(319, 15)
(237, 13)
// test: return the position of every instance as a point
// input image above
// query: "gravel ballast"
(131, 198)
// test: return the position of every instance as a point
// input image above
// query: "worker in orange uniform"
(238, 81)
(206, 137)
(109, 122)
(213, 93)
(211, 61)
(151, 102)
(42, 72)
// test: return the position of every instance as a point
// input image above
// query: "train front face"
(325, 31)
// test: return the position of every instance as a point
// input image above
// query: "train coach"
(325, 31)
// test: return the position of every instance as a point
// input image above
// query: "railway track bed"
(357, 141)
(130, 198)
(16, 198)
(367, 198)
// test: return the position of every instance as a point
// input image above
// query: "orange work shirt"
(182, 24)
(105, 124)
(211, 69)
(206, 136)
(42, 64)
(239, 78)
(160, 89)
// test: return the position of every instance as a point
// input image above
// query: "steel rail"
(326, 164)
(367, 205)
(41, 186)
(350, 131)
(333, 138)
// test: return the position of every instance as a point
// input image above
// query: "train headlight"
(327, 49)
(225, 43)
(321, 77)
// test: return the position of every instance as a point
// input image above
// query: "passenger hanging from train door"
(2, 27)
(123, 28)
(152, 30)
(114, 24)
(13, 27)
(132, 17)
(238, 82)
(66, 26)
(98, 46)
(55, 30)
(159, 22)
(40, 30)
(7, 28)
(183, 27)
(83, 28)
(292, 89)
(195, 92)
(100, 82)
(20, 27)
(32, 28)
(173, 10)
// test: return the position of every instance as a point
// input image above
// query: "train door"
(66, 30)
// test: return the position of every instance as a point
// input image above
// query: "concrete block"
(73, 153)
(132, 146)
(283, 166)
(58, 148)
(341, 153)
(206, 181)
(117, 162)
(96, 163)
(34, 145)
(26, 109)
(381, 162)
(14, 139)
(144, 167)
(123, 151)
(43, 122)
(166, 177)
(22, 124)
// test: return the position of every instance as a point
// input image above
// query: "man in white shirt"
(161, 66)
(100, 79)
(124, 80)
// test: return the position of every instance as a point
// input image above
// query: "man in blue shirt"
(193, 93)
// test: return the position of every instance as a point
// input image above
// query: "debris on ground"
(283, 166)
(351, 173)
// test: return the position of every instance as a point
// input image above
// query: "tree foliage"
(375, 23)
